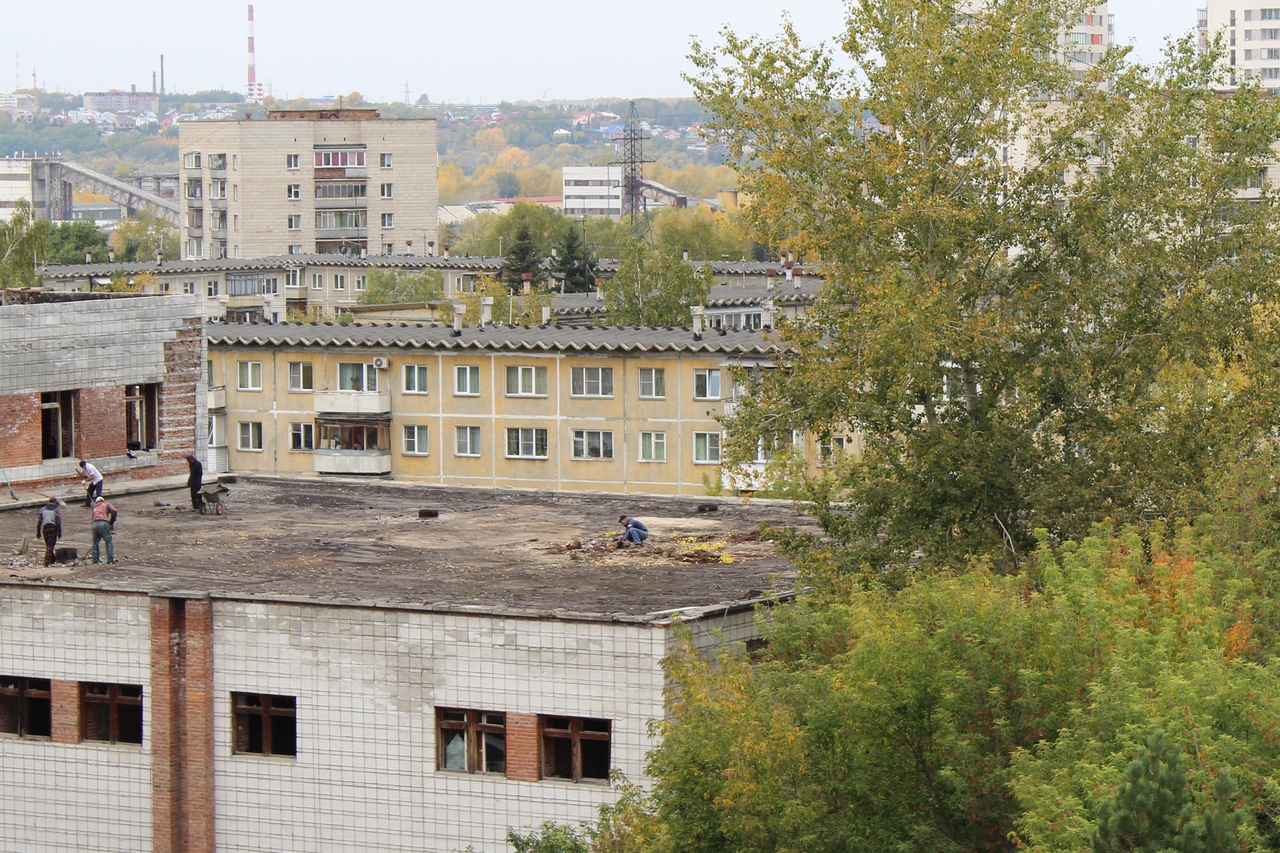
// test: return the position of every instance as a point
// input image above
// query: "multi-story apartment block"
(1084, 44)
(1251, 35)
(604, 408)
(132, 101)
(592, 191)
(308, 181)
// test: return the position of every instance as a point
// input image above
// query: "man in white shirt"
(95, 482)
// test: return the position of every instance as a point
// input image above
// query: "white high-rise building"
(1084, 44)
(1251, 36)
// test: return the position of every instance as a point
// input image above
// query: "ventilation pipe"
(695, 313)
(486, 311)
(458, 311)
(546, 316)
(766, 314)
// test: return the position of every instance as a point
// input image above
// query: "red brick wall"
(183, 368)
(65, 702)
(100, 422)
(20, 430)
(181, 708)
(523, 748)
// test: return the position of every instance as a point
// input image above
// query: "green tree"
(652, 287)
(24, 245)
(1024, 340)
(523, 259)
(574, 264)
(387, 286)
(138, 237)
(68, 242)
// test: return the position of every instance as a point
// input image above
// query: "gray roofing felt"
(527, 338)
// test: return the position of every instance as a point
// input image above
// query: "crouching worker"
(633, 532)
(104, 520)
(49, 526)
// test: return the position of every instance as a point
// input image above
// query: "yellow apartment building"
(572, 408)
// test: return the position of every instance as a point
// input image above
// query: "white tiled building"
(1251, 35)
(592, 190)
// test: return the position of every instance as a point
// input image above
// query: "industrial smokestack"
(254, 93)
(162, 74)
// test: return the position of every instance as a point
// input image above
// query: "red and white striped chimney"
(254, 93)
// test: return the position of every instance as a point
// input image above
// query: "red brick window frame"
(470, 741)
(26, 706)
(265, 724)
(575, 748)
(111, 712)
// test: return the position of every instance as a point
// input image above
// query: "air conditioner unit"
(381, 363)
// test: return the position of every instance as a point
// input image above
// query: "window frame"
(583, 379)
(253, 433)
(656, 441)
(302, 437)
(293, 161)
(709, 438)
(474, 725)
(581, 445)
(116, 705)
(21, 693)
(421, 383)
(472, 372)
(388, 220)
(387, 190)
(657, 383)
(535, 434)
(385, 161)
(472, 442)
(293, 192)
(304, 380)
(421, 440)
(368, 381)
(575, 733)
(538, 380)
(245, 379)
(243, 715)
(709, 376)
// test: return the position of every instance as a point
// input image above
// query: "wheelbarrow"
(214, 496)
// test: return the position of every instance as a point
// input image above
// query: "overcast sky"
(461, 51)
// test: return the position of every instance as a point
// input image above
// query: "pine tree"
(574, 264)
(522, 258)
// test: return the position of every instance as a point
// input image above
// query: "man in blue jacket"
(633, 532)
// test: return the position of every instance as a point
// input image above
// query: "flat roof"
(359, 543)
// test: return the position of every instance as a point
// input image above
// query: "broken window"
(57, 424)
(471, 741)
(111, 712)
(25, 706)
(141, 416)
(265, 725)
(575, 748)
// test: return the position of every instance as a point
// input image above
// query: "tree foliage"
(387, 286)
(574, 266)
(653, 287)
(138, 237)
(523, 262)
(1047, 304)
(24, 245)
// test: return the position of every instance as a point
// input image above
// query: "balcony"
(353, 402)
(352, 461)
(217, 397)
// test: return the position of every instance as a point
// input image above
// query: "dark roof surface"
(362, 543)
(529, 338)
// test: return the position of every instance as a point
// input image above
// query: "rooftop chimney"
(546, 315)
(695, 313)
(486, 310)
(458, 311)
(766, 314)
(88, 256)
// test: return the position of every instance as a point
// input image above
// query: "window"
(249, 375)
(592, 444)
(575, 748)
(142, 416)
(218, 189)
(26, 708)
(341, 436)
(189, 287)
(211, 287)
(384, 160)
(357, 377)
(293, 191)
(362, 282)
(111, 712)
(57, 423)
(250, 435)
(466, 380)
(416, 440)
(265, 725)
(302, 437)
(291, 161)
(525, 381)
(348, 190)
(653, 447)
(300, 376)
(415, 378)
(832, 448)
(388, 220)
(195, 247)
(388, 248)
(295, 249)
(526, 443)
(339, 281)
(341, 218)
(293, 278)
(317, 281)
(706, 385)
(466, 441)
(471, 741)
(591, 381)
(330, 159)
(386, 191)
(1267, 15)
(191, 160)
(295, 221)
(706, 447)
(653, 383)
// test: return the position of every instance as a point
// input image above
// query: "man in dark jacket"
(195, 478)
(49, 526)
(633, 532)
